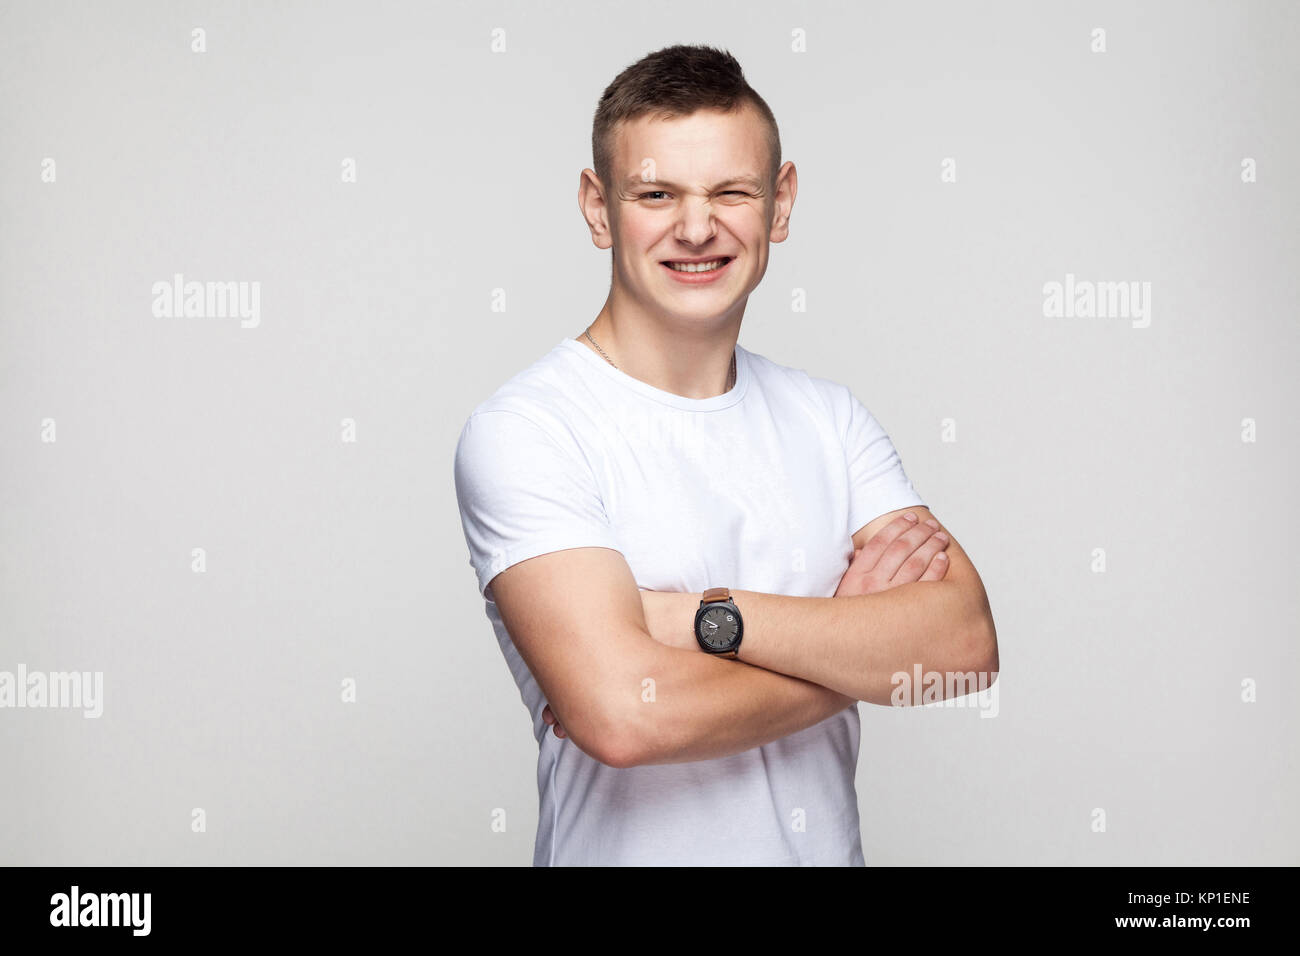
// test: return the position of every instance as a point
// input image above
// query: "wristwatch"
(718, 625)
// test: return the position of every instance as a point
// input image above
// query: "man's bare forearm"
(700, 707)
(856, 645)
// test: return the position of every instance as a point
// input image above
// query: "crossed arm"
(638, 691)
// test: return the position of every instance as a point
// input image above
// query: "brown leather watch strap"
(720, 594)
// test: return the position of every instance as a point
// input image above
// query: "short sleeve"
(522, 494)
(877, 482)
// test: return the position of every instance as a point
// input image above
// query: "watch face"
(718, 627)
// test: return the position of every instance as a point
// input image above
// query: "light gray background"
(327, 560)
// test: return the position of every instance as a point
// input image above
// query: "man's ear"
(787, 185)
(594, 209)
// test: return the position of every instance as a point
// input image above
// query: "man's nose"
(697, 225)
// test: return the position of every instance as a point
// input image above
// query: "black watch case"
(727, 617)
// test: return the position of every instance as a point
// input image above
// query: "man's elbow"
(617, 748)
(634, 742)
(624, 758)
(619, 727)
(980, 648)
(612, 736)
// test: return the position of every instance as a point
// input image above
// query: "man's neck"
(685, 362)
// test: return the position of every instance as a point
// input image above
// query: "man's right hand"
(549, 717)
(901, 552)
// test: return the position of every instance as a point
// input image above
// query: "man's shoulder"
(534, 420)
(536, 392)
(829, 394)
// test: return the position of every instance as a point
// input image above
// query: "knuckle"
(900, 549)
(914, 567)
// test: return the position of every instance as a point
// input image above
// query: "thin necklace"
(731, 376)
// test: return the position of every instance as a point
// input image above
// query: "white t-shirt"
(758, 489)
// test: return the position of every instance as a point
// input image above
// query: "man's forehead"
(727, 136)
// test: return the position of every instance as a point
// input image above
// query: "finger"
(547, 714)
(918, 562)
(854, 575)
(938, 567)
(882, 539)
(559, 731)
(901, 549)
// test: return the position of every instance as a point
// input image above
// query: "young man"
(650, 468)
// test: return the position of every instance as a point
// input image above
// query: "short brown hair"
(672, 82)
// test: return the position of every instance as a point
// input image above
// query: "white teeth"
(698, 266)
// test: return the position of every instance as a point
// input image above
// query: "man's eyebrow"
(753, 182)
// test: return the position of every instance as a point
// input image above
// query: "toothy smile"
(707, 265)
